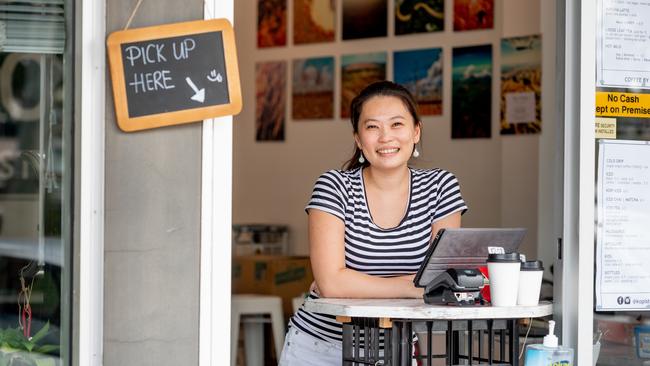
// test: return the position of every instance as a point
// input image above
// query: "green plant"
(18, 350)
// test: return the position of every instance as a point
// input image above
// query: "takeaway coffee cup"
(504, 278)
(530, 282)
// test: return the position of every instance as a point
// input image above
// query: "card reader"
(454, 286)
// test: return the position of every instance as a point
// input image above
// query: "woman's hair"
(384, 89)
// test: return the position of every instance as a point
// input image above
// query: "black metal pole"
(405, 344)
(429, 343)
(395, 339)
(388, 346)
(347, 344)
(450, 344)
(456, 352)
(470, 342)
(514, 342)
(480, 345)
(490, 341)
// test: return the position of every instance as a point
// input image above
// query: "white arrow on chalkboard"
(199, 95)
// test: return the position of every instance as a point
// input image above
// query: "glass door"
(35, 182)
(621, 316)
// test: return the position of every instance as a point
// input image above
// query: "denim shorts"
(302, 349)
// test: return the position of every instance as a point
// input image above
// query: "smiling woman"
(370, 225)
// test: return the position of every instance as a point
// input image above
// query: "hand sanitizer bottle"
(549, 353)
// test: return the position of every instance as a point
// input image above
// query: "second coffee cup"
(530, 282)
(503, 270)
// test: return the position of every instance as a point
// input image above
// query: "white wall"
(272, 181)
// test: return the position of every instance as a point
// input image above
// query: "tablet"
(465, 248)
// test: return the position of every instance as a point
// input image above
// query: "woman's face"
(387, 132)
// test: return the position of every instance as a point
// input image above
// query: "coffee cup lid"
(532, 266)
(503, 257)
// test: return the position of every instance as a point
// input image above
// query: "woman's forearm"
(347, 283)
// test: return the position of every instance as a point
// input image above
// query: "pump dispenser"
(550, 340)
(549, 353)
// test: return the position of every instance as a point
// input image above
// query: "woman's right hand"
(314, 288)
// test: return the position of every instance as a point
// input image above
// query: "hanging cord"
(24, 303)
(523, 346)
(135, 10)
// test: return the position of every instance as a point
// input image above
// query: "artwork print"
(313, 88)
(473, 14)
(521, 85)
(357, 72)
(271, 23)
(471, 107)
(313, 21)
(420, 71)
(419, 16)
(270, 91)
(365, 19)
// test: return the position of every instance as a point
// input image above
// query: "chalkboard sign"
(174, 73)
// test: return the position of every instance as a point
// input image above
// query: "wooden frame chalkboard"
(174, 73)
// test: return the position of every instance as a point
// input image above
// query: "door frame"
(216, 225)
(90, 117)
(574, 287)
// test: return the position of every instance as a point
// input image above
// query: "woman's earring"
(361, 158)
(416, 153)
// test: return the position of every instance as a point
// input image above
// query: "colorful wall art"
(471, 109)
(419, 16)
(271, 99)
(420, 71)
(521, 85)
(271, 23)
(365, 19)
(473, 14)
(313, 21)
(313, 88)
(357, 71)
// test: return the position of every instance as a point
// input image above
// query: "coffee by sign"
(171, 76)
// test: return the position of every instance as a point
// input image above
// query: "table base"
(362, 340)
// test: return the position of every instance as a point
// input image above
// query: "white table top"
(417, 309)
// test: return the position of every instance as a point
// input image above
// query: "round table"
(364, 318)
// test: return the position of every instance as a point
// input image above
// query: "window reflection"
(31, 190)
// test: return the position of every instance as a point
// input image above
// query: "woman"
(370, 224)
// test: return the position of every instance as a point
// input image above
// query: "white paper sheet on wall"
(623, 57)
(520, 107)
(623, 226)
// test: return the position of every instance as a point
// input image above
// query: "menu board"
(624, 44)
(623, 240)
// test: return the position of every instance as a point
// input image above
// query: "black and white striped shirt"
(433, 195)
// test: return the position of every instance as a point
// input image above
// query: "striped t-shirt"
(433, 195)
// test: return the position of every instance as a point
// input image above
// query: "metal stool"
(254, 326)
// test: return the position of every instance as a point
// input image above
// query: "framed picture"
(365, 19)
(358, 71)
(420, 71)
(313, 88)
(313, 21)
(521, 85)
(271, 100)
(473, 14)
(471, 107)
(419, 16)
(271, 23)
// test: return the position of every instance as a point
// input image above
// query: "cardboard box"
(284, 276)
